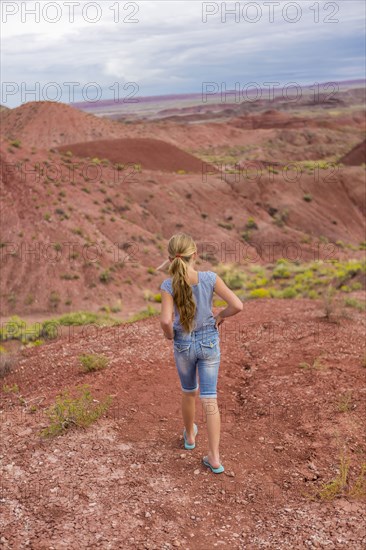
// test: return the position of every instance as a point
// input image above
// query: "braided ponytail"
(180, 248)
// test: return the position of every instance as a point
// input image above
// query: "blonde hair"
(184, 245)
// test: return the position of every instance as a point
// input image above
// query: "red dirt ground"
(150, 154)
(127, 482)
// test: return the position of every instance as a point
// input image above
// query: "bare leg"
(213, 422)
(188, 413)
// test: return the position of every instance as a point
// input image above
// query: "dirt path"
(127, 482)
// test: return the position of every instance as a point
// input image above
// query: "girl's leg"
(212, 415)
(188, 413)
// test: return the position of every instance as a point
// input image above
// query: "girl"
(194, 331)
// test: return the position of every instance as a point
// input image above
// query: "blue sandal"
(186, 444)
(218, 470)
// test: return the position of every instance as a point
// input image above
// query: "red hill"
(45, 124)
(356, 156)
(150, 154)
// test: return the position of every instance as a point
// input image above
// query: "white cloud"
(171, 46)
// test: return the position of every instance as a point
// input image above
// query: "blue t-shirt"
(202, 294)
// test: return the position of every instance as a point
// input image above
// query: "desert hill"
(48, 123)
(151, 154)
(73, 182)
(356, 156)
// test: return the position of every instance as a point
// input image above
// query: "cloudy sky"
(173, 46)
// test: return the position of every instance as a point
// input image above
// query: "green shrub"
(78, 318)
(234, 279)
(219, 303)
(36, 343)
(69, 411)
(289, 292)
(69, 276)
(226, 225)
(356, 286)
(307, 197)
(54, 299)
(306, 239)
(10, 389)
(251, 224)
(105, 276)
(337, 486)
(260, 293)
(29, 299)
(246, 236)
(144, 314)
(91, 363)
(280, 218)
(15, 143)
(7, 363)
(352, 302)
(281, 271)
(345, 288)
(13, 329)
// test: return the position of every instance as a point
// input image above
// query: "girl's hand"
(218, 320)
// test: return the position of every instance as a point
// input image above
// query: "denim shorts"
(199, 351)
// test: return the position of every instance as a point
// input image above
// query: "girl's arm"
(235, 305)
(166, 315)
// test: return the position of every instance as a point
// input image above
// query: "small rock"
(147, 515)
(176, 543)
(196, 472)
(279, 448)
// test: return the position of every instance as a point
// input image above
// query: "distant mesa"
(356, 156)
(150, 154)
